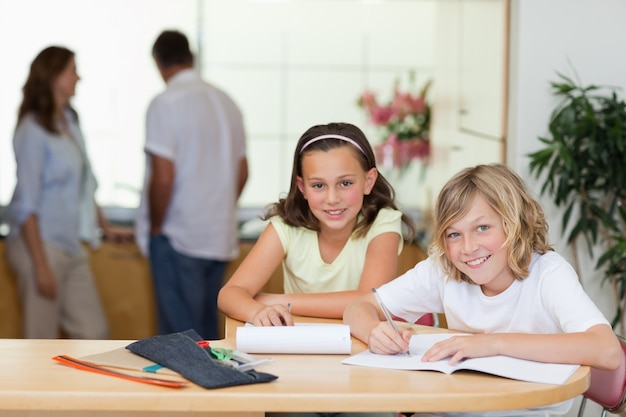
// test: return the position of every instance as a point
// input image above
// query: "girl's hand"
(274, 315)
(460, 347)
(385, 340)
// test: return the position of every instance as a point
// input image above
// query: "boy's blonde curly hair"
(523, 218)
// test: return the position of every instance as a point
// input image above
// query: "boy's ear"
(300, 183)
(370, 180)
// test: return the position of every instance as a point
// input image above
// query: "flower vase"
(398, 154)
(403, 163)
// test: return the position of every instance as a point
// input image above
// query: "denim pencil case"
(180, 352)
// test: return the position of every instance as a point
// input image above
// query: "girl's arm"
(237, 297)
(381, 263)
(597, 347)
(381, 266)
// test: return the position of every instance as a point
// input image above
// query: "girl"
(337, 233)
(53, 207)
(492, 272)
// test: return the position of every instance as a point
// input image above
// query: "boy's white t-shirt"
(549, 300)
(304, 271)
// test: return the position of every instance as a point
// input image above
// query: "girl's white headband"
(332, 136)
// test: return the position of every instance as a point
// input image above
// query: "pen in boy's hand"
(386, 313)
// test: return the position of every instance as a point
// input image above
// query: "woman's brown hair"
(38, 97)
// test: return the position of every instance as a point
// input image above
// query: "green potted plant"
(582, 167)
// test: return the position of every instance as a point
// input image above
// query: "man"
(196, 168)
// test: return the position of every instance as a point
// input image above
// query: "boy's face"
(474, 246)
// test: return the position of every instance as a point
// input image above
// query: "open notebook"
(505, 366)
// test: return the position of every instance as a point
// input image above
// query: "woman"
(53, 207)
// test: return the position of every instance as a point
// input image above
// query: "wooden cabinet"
(10, 309)
(123, 278)
(411, 255)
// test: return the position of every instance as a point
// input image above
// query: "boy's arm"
(597, 347)
(367, 324)
(362, 317)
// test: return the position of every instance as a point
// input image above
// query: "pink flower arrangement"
(405, 124)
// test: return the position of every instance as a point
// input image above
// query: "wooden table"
(32, 384)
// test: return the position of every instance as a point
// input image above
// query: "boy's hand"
(461, 347)
(385, 340)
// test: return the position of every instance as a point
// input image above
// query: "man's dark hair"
(172, 48)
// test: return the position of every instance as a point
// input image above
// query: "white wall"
(579, 38)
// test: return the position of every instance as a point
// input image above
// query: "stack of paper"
(299, 339)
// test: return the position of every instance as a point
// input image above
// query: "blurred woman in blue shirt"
(53, 209)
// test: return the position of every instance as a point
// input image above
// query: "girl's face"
(333, 183)
(474, 246)
(64, 86)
